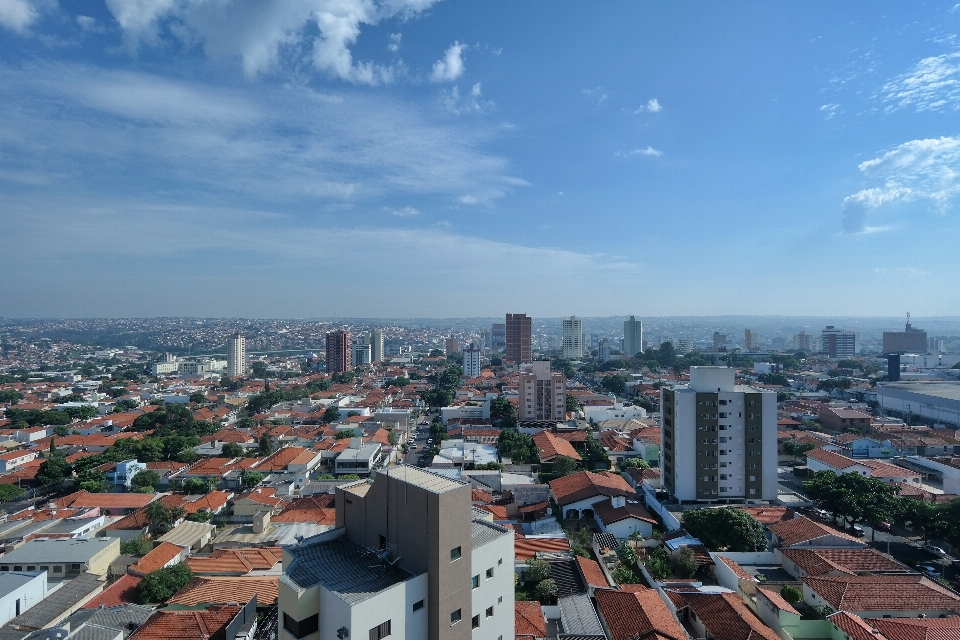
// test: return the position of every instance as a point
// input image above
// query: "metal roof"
(433, 482)
(62, 550)
(579, 617)
(483, 532)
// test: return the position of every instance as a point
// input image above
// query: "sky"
(423, 158)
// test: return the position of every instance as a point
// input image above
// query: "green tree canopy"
(157, 586)
(52, 471)
(10, 492)
(519, 447)
(572, 404)
(502, 412)
(545, 591)
(232, 450)
(147, 478)
(852, 497)
(251, 478)
(725, 529)
(615, 384)
(563, 466)
(537, 570)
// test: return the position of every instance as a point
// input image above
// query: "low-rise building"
(63, 558)
(20, 590)
(10, 460)
(359, 458)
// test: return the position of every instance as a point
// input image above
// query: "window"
(489, 573)
(474, 582)
(382, 630)
(301, 628)
(455, 554)
(475, 622)
(500, 600)
(18, 567)
(489, 612)
(455, 617)
(418, 605)
(500, 561)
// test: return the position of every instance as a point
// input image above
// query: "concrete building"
(498, 338)
(732, 431)
(471, 360)
(407, 560)
(803, 341)
(632, 337)
(909, 340)
(603, 350)
(63, 558)
(543, 393)
(839, 343)
(936, 401)
(359, 458)
(683, 346)
(572, 338)
(749, 340)
(519, 345)
(451, 345)
(20, 590)
(376, 345)
(122, 474)
(338, 351)
(360, 351)
(236, 356)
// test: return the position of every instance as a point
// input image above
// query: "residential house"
(577, 493)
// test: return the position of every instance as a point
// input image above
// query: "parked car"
(883, 526)
(937, 551)
(858, 531)
(928, 570)
(822, 514)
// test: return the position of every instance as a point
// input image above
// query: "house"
(899, 596)
(122, 474)
(163, 555)
(359, 458)
(212, 621)
(258, 500)
(529, 620)
(838, 419)
(851, 626)
(192, 535)
(824, 460)
(63, 558)
(551, 447)
(622, 518)
(577, 493)
(802, 563)
(10, 460)
(235, 562)
(113, 504)
(596, 413)
(716, 614)
(804, 532)
(208, 589)
(636, 613)
(593, 575)
(20, 590)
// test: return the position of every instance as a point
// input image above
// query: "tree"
(251, 478)
(53, 471)
(572, 404)
(725, 529)
(344, 434)
(139, 546)
(519, 447)
(163, 517)
(627, 555)
(157, 586)
(266, 445)
(95, 483)
(9, 396)
(564, 366)
(797, 449)
(537, 571)
(791, 594)
(197, 486)
(198, 398)
(615, 384)
(545, 591)
(258, 369)
(437, 397)
(200, 516)
(232, 450)
(636, 463)
(659, 564)
(563, 466)
(626, 575)
(684, 562)
(147, 478)
(10, 492)
(393, 438)
(852, 497)
(332, 414)
(502, 412)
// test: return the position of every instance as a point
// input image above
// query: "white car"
(937, 551)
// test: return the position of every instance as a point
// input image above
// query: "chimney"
(618, 501)
(260, 521)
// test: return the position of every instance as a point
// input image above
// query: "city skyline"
(775, 160)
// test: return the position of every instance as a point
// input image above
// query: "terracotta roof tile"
(609, 514)
(816, 562)
(529, 619)
(803, 529)
(917, 629)
(235, 561)
(638, 613)
(157, 558)
(778, 600)
(592, 573)
(551, 446)
(585, 484)
(883, 593)
(220, 590)
(724, 615)
(123, 591)
(167, 624)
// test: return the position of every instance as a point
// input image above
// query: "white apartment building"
(572, 338)
(360, 351)
(543, 393)
(236, 356)
(632, 337)
(471, 360)
(718, 439)
(376, 345)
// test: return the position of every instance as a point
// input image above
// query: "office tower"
(803, 341)
(909, 340)
(360, 351)
(338, 351)
(632, 337)
(603, 350)
(683, 346)
(594, 341)
(779, 343)
(572, 338)
(749, 340)
(407, 560)
(719, 339)
(732, 431)
(376, 345)
(471, 360)
(543, 393)
(518, 338)
(935, 345)
(838, 343)
(236, 356)
(451, 345)
(498, 338)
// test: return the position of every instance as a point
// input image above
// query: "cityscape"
(479, 320)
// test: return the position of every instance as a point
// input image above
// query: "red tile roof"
(123, 591)
(609, 514)
(220, 590)
(585, 484)
(114, 500)
(820, 561)
(529, 619)
(724, 615)
(551, 446)
(803, 529)
(777, 600)
(526, 548)
(238, 561)
(592, 572)
(167, 624)
(917, 628)
(157, 558)
(638, 613)
(883, 593)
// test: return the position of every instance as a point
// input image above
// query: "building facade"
(839, 343)
(360, 351)
(236, 356)
(338, 351)
(471, 360)
(749, 340)
(603, 350)
(498, 338)
(632, 337)
(718, 439)
(519, 345)
(407, 560)
(909, 340)
(573, 338)
(543, 393)
(803, 341)
(376, 345)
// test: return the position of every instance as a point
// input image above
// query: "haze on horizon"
(367, 158)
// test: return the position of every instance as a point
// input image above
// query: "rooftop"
(421, 478)
(883, 593)
(944, 390)
(65, 550)
(222, 589)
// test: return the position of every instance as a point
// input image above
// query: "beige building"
(543, 393)
(63, 558)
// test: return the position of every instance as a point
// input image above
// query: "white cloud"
(468, 199)
(17, 15)
(649, 151)
(394, 45)
(829, 109)
(595, 94)
(473, 103)
(451, 66)
(268, 34)
(919, 170)
(933, 84)
(406, 212)
(654, 106)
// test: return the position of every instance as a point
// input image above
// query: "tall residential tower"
(338, 351)
(573, 338)
(632, 337)
(236, 356)
(518, 338)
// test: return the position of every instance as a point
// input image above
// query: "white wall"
(394, 604)
(28, 594)
(496, 592)
(769, 457)
(624, 528)
(685, 440)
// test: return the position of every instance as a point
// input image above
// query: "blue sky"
(361, 158)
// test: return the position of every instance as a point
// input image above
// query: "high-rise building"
(683, 346)
(732, 431)
(360, 351)
(407, 560)
(543, 393)
(518, 338)
(803, 341)
(719, 339)
(236, 356)
(749, 340)
(471, 360)
(484, 340)
(376, 345)
(498, 338)
(632, 337)
(838, 343)
(909, 340)
(936, 345)
(603, 350)
(572, 338)
(451, 345)
(338, 351)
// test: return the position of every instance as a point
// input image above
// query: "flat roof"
(422, 478)
(945, 390)
(63, 550)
